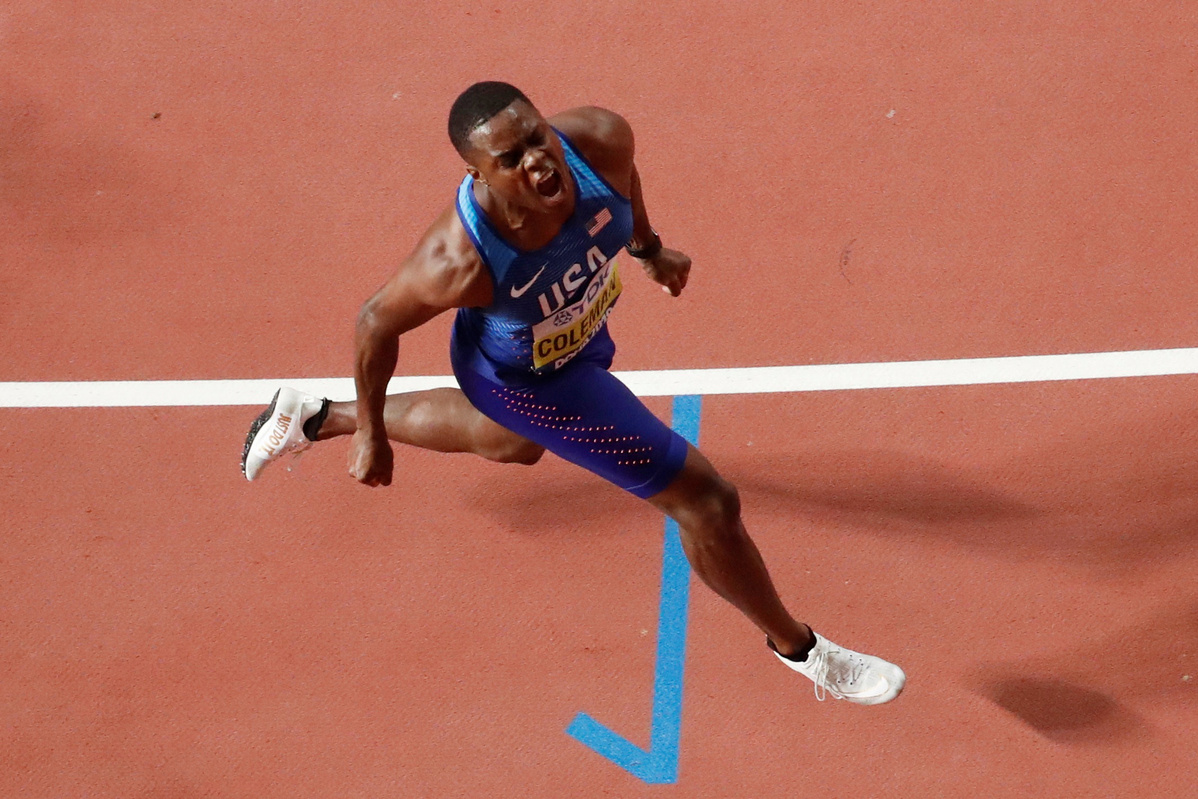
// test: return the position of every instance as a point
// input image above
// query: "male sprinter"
(526, 254)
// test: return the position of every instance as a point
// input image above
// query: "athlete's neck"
(523, 227)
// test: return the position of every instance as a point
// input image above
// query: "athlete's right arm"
(443, 272)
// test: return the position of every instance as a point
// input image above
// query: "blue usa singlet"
(535, 361)
(548, 304)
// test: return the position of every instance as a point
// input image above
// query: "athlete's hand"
(370, 459)
(670, 268)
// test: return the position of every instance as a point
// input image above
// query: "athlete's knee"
(715, 508)
(724, 500)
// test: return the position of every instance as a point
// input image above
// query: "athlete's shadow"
(885, 493)
(1110, 497)
(877, 486)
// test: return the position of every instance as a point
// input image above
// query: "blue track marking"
(658, 765)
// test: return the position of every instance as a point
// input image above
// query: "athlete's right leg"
(440, 419)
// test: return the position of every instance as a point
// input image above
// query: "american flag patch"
(599, 222)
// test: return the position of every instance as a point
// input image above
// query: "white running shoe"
(845, 674)
(279, 429)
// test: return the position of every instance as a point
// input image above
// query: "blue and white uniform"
(536, 359)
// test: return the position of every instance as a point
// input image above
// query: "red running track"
(210, 191)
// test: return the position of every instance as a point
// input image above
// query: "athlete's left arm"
(606, 140)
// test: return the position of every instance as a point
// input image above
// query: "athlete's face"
(520, 158)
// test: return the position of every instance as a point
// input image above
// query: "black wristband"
(647, 251)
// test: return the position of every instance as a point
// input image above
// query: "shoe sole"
(254, 428)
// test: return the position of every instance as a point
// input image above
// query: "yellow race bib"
(560, 336)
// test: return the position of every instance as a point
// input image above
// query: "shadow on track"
(1113, 499)
(1078, 697)
(1063, 712)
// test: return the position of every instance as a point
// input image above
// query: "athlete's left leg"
(588, 417)
(707, 509)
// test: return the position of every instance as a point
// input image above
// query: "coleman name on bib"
(562, 334)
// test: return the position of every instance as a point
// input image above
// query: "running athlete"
(527, 256)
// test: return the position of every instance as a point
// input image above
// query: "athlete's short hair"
(475, 106)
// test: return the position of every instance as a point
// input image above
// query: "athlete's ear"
(473, 172)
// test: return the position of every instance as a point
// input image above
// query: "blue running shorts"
(584, 414)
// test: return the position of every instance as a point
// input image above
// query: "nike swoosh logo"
(517, 293)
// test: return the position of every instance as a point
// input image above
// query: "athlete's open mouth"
(550, 185)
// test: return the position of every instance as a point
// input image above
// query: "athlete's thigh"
(585, 415)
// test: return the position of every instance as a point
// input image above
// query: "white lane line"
(672, 382)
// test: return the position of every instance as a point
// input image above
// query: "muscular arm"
(443, 272)
(607, 141)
